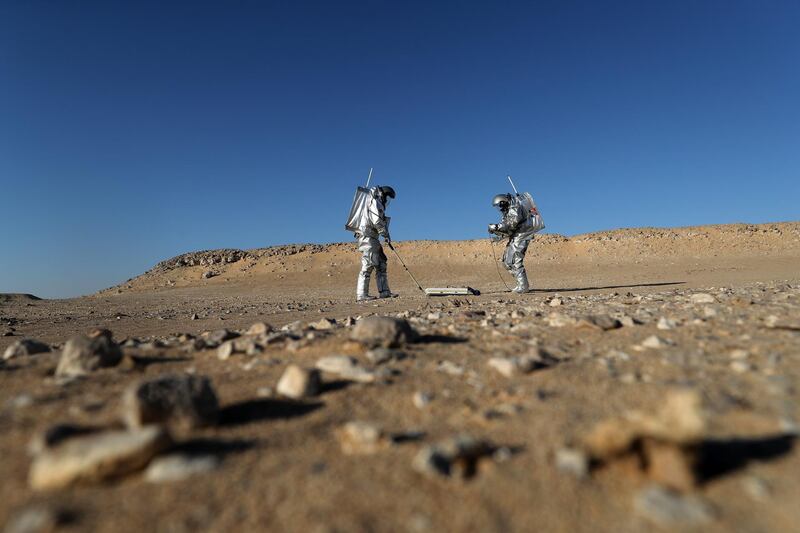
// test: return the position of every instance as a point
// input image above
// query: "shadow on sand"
(578, 289)
(720, 457)
(264, 409)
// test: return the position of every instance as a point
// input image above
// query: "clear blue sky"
(134, 131)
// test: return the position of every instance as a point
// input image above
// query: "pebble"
(324, 324)
(361, 438)
(225, 350)
(82, 355)
(185, 401)
(666, 323)
(740, 366)
(702, 298)
(572, 461)
(259, 328)
(513, 366)
(672, 509)
(422, 399)
(25, 347)
(448, 367)
(345, 367)
(98, 457)
(603, 322)
(654, 342)
(298, 383)
(178, 466)
(383, 331)
(221, 335)
(455, 457)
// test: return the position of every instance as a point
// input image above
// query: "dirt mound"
(466, 262)
(17, 297)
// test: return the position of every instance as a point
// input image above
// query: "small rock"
(555, 302)
(208, 274)
(82, 355)
(176, 467)
(757, 488)
(422, 399)
(572, 461)
(666, 323)
(324, 324)
(95, 458)
(512, 366)
(184, 401)
(702, 298)
(194, 317)
(361, 438)
(455, 457)
(298, 383)
(25, 347)
(451, 368)
(740, 366)
(336, 364)
(654, 342)
(604, 322)
(345, 367)
(383, 331)
(260, 328)
(225, 350)
(221, 335)
(669, 508)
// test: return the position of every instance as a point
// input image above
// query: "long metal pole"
(369, 177)
(404, 266)
(512, 185)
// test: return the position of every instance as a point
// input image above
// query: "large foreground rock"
(181, 400)
(383, 331)
(83, 355)
(94, 458)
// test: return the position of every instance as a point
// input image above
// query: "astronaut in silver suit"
(517, 226)
(372, 226)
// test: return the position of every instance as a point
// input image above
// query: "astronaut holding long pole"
(520, 221)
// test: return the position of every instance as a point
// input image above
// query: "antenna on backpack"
(512, 184)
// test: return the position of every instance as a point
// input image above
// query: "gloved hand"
(492, 228)
(387, 240)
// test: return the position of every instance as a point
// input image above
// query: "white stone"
(298, 383)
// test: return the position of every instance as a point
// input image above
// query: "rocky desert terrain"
(649, 381)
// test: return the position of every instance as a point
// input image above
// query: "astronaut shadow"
(264, 409)
(720, 457)
(602, 287)
(441, 339)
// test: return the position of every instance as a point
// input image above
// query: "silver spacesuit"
(372, 225)
(517, 226)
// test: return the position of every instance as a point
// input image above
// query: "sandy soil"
(282, 465)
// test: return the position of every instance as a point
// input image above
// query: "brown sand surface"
(282, 467)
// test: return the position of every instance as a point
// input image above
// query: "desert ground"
(648, 381)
